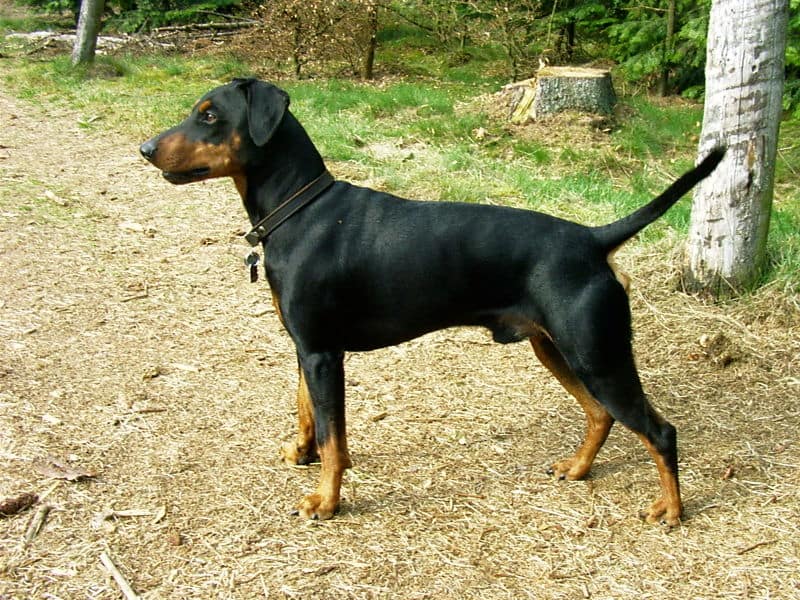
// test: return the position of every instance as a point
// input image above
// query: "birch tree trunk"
(88, 28)
(744, 83)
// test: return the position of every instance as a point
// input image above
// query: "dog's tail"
(615, 234)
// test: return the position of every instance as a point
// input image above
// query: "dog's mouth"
(182, 177)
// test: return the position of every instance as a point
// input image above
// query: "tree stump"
(555, 89)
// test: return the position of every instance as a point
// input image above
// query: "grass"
(436, 150)
(33, 22)
(783, 249)
(409, 51)
(338, 112)
(659, 127)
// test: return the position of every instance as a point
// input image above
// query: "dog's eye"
(208, 117)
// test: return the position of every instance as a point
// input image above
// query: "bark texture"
(744, 84)
(88, 27)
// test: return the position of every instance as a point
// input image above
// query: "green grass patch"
(783, 248)
(342, 116)
(34, 22)
(408, 51)
(658, 128)
(128, 95)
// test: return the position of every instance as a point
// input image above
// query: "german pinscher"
(355, 269)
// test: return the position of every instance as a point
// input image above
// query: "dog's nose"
(148, 149)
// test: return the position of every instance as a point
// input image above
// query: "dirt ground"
(146, 386)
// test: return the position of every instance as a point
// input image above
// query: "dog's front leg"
(324, 377)
(303, 450)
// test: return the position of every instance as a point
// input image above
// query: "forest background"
(657, 45)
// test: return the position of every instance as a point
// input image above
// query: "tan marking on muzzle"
(178, 154)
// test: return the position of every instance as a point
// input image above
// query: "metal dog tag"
(252, 260)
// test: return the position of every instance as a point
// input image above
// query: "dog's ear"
(266, 105)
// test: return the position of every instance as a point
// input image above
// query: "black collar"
(302, 197)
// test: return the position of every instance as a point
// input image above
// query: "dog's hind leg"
(621, 393)
(598, 421)
(595, 341)
(663, 448)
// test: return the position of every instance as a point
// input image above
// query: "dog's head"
(218, 136)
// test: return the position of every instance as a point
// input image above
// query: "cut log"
(555, 89)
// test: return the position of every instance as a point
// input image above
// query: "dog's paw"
(569, 469)
(660, 512)
(292, 454)
(316, 507)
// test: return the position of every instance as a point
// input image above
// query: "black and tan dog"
(353, 269)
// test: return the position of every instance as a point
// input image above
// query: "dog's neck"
(293, 162)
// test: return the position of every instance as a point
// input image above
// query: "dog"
(355, 269)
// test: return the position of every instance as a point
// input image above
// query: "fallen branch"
(754, 546)
(191, 35)
(36, 524)
(123, 584)
(206, 26)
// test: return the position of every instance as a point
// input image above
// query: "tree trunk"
(568, 39)
(88, 28)
(372, 42)
(297, 39)
(555, 89)
(663, 85)
(744, 84)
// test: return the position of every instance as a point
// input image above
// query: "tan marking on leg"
(303, 450)
(323, 503)
(598, 421)
(668, 508)
(276, 303)
(621, 275)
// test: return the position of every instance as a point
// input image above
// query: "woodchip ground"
(146, 386)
